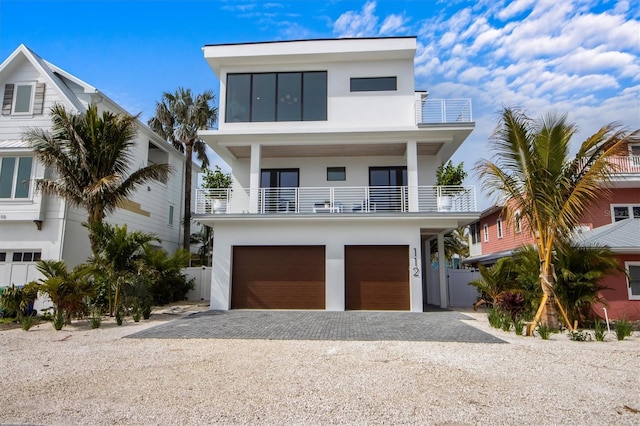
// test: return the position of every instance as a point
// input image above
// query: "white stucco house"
(333, 155)
(34, 227)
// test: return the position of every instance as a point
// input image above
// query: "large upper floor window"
(276, 96)
(15, 176)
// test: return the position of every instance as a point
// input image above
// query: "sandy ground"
(84, 376)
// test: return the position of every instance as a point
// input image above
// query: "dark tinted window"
(314, 96)
(3, 257)
(290, 97)
(373, 84)
(287, 96)
(263, 106)
(238, 97)
(336, 173)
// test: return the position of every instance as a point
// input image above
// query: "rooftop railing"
(435, 111)
(338, 200)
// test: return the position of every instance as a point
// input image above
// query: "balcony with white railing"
(626, 165)
(438, 111)
(337, 200)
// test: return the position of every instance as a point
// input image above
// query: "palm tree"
(204, 239)
(92, 156)
(533, 172)
(455, 243)
(119, 260)
(178, 118)
(68, 290)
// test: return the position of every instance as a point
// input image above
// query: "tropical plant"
(533, 173)
(15, 301)
(119, 260)
(622, 328)
(178, 118)
(495, 280)
(579, 272)
(67, 289)
(599, 331)
(165, 279)
(92, 154)
(450, 175)
(455, 245)
(544, 331)
(216, 179)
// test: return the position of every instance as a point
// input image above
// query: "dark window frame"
(373, 84)
(250, 107)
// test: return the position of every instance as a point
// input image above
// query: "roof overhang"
(308, 51)
(442, 141)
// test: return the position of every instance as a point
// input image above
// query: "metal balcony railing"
(337, 200)
(434, 111)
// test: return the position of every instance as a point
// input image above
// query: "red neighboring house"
(613, 221)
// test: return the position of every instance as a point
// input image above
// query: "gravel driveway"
(84, 376)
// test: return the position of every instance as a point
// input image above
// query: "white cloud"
(514, 8)
(393, 24)
(357, 24)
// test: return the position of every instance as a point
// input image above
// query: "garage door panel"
(377, 278)
(278, 277)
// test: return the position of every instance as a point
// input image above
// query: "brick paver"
(441, 326)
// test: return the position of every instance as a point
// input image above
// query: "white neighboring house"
(34, 227)
(333, 156)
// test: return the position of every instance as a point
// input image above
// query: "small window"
(633, 274)
(486, 233)
(170, 215)
(27, 256)
(625, 212)
(518, 224)
(3, 256)
(499, 227)
(336, 173)
(23, 98)
(635, 150)
(374, 84)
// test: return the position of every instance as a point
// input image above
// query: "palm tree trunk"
(549, 314)
(186, 241)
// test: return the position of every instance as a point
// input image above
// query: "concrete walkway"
(439, 326)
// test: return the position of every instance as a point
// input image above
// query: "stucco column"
(412, 175)
(442, 272)
(334, 271)
(254, 179)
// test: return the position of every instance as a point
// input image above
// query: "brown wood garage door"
(377, 277)
(278, 277)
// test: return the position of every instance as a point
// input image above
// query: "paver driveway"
(440, 326)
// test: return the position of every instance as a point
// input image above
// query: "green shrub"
(599, 331)
(505, 322)
(579, 336)
(495, 317)
(518, 325)
(623, 328)
(27, 321)
(544, 332)
(58, 320)
(17, 301)
(119, 317)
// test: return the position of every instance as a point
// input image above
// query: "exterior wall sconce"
(38, 224)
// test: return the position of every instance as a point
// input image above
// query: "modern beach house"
(333, 155)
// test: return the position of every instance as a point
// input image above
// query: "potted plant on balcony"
(217, 180)
(449, 175)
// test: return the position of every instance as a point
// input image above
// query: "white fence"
(202, 289)
(460, 293)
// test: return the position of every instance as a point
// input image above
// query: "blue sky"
(575, 56)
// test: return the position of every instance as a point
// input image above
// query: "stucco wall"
(332, 234)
